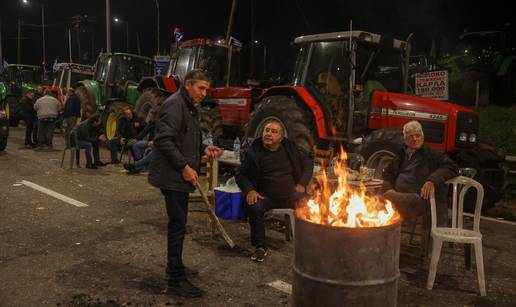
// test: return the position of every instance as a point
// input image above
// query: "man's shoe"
(91, 166)
(189, 272)
(259, 254)
(128, 166)
(183, 288)
(133, 172)
(99, 163)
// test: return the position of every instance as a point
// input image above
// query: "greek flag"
(178, 34)
(55, 67)
(235, 42)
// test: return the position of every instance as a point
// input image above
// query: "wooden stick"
(214, 217)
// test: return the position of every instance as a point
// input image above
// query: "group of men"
(274, 172)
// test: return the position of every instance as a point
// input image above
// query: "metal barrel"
(341, 266)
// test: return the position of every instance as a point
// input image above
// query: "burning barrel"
(342, 266)
(347, 246)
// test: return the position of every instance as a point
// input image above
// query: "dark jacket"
(26, 109)
(126, 128)
(72, 107)
(87, 132)
(149, 130)
(248, 174)
(435, 166)
(177, 143)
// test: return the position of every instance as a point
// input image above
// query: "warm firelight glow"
(336, 203)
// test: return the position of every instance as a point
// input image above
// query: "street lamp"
(27, 2)
(118, 20)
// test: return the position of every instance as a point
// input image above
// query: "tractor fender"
(319, 112)
(506, 64)
(94, 90)
(168, 85)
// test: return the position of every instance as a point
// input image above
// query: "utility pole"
(253, 39)
(18, 58)
(108, 26)
(228, 41)
(138, 43)
(127, 35)
(70, 45)
(1, 54)
(157, 26)
(43, 33)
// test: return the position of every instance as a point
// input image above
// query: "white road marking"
(281, 286)
(491, 219)
(59, 196)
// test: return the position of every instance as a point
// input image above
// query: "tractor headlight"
(463, 137)
(472, 138)
(3, 114)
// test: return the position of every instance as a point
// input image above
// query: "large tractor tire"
(297, 122)
(211, 123)
(11, 110)
(380, 147)
(150, 99)
(110, 118)
(88, 105)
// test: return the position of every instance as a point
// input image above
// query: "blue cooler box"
(228, 204)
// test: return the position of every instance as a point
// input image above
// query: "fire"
(337, 203)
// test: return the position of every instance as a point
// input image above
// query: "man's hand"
(122, 141)
(213, 151)
(190, 175)
(150, 143)
(102, 137)
(300, 188)
(137, 124)
(252, 197)
(427, 190)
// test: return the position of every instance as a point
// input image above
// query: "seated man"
(89, 134)
(415, 173)
(273, 174)
(128, 128)
(146, 140)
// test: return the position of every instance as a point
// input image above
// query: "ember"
(342, 205)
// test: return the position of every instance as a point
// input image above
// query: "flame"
(336, 203)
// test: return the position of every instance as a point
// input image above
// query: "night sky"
(278, 22)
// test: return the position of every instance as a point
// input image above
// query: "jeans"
(138, 149)
(146, 160)
(177, 211)
(88, 148)
(30, 135)
(46, 128)
(411, 204)
(257, 211)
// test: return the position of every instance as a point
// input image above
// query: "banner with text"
(432, 85)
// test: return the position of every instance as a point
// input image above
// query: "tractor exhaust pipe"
(407, 62)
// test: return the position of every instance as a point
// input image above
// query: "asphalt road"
(112, 252)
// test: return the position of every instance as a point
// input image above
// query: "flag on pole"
(178, 35)
(55, 67)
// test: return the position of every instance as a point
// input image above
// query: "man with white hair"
(415, 173)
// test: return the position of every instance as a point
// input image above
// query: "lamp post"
(118, 20)
(27, 2)
(157, 25)
(108, 26)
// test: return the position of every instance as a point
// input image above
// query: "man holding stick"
(174, 170)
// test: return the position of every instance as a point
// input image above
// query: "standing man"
(47, 108)
(415, 173)
(174, 169)
(37, 95)
(274, 174)
(72, 111)
(29, 115)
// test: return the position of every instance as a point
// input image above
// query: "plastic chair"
(73, 149)
(456, 233)
(125, 149)
(290, 221)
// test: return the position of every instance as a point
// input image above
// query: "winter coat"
(47, 107)
(26, 109)
(72, 107)
(248, 174)
(87, 132)
(127, 129)
(177, 142)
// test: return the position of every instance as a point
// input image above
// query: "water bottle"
(236, 148)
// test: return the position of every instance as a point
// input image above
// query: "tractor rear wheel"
(150, 99)
(296, 121)
(380, 147)
(210, 122)
(88, 106)
(110, 118)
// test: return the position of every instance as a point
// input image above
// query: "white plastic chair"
(456, 233)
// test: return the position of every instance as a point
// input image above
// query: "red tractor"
(350, 89)
(228, 104)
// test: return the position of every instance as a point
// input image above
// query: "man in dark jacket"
(129, 126)
(415, 173)
(29, 115)
(72, 111)
(89, 134)
(175, 167)
(274, 173)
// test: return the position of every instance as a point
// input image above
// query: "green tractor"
(481, 67)
(113, 87)
(15, 81)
